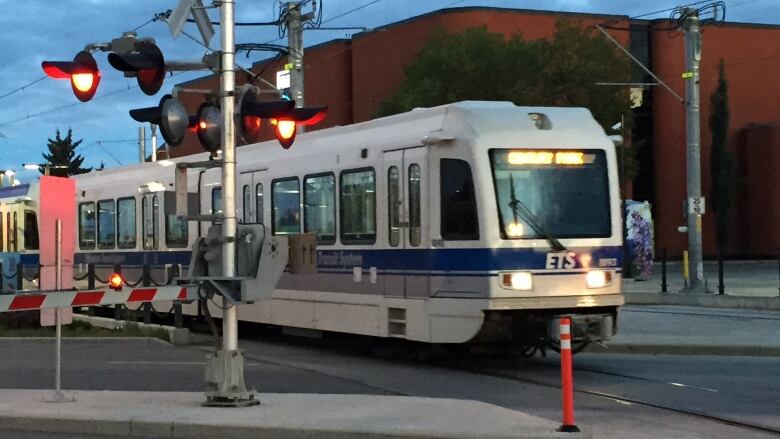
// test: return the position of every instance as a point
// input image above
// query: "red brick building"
(353, 76)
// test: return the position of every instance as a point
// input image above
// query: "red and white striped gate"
(66, 299)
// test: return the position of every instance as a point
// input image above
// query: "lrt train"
(468, 222)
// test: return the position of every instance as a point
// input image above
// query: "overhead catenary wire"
(22, 88)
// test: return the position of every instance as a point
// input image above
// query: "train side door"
(251, 191)
(407, 269)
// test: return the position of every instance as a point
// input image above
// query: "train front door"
(406, 266)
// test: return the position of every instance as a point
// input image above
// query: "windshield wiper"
(521, 210)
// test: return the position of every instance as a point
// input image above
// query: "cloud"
(35, 30)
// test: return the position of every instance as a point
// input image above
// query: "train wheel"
(576, 345)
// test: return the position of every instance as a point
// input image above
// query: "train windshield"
(550, 194)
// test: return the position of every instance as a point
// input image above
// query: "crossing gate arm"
(26, 301)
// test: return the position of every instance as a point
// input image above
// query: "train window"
(145, 223)
(176, 232)
(319, 207)
(125, 222)
(286, 206)
(15, 236)
(8, 233)
(415, 231)
(358, 207)
(216, 201)
(106, 224)
(150, 224)
(247, 204)
(259, 203)
(1, 232)
(87, 226)
(393, 207)
(30, 230)
(458, 203)
(156, 222)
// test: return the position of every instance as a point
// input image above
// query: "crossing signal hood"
(282, 115)
(251, 113)
(83, 73)
(145, 62)
(170, 115)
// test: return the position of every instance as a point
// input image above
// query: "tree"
(62, 157)
(723, 165)
(479, 65)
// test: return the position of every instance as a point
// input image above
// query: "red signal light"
(115, 282)
(285, 130)
(82, 71)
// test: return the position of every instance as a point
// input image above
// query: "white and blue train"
(466, 222)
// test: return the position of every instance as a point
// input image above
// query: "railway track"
(512, 374)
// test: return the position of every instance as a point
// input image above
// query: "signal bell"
(83, 73)
(145, 62)
(170, 115)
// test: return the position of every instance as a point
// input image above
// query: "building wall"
(379, 58)
(752, 66)
(353, 77)
(758, 218)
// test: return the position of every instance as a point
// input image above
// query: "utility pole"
(154, 142)
(141, 144)
(294, 22)
(695, 202)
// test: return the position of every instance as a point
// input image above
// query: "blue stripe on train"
(477, 259)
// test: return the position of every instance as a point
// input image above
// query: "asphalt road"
(9, 434)
(618, 395)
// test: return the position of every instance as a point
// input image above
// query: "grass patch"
(83, 329)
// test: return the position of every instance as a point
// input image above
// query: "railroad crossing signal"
(145, 62)
(286, 123)
(209, 127)
(170, 115)
(83, 73)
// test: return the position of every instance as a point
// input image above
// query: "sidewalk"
(759, 278)
(694, 330)
(280, 416)
(747, 284)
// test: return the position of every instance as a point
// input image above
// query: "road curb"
(176, 336)
(280, 416)
(686, 349)
(704, 300)
(145, 429)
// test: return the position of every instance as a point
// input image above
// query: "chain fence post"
(117, 308)
(91, 283)
(146, 280)
(19, 276)
(178, 319)
(664, 285)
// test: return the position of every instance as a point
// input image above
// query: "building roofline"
(265, 60)
(444, 11)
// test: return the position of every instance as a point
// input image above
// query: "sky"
(32, 107)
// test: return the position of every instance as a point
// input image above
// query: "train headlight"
(521, 280)
(598, 278)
